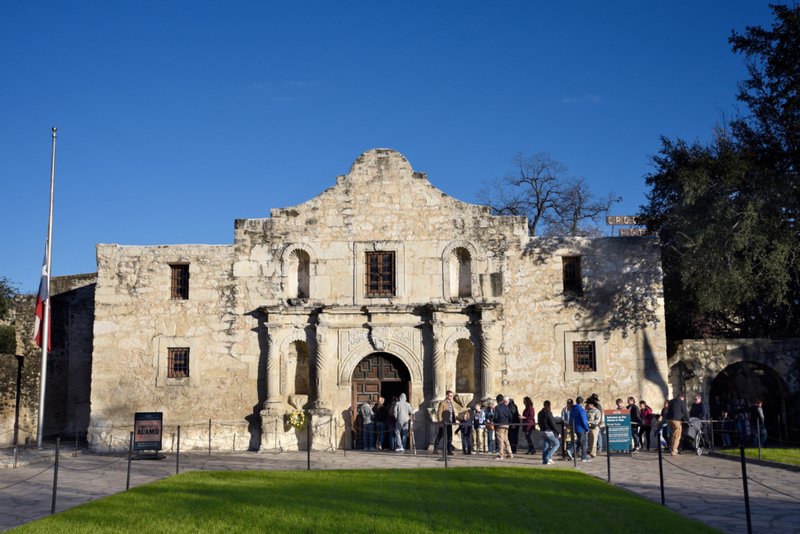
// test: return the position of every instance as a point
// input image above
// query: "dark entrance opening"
(378, 375)
(750, 381)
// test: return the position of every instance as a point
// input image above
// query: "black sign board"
(147, 431)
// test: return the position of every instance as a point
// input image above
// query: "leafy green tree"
(727, 211)
(8, 340)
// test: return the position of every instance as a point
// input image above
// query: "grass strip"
(473, 500)
(786, 456)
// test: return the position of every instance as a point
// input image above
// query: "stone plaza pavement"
(707, 489)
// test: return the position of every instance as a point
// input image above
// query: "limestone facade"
(382, 263)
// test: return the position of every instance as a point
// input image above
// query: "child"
(727, 428)
(466, 432)
(479, 424)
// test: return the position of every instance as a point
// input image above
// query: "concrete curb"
(8, 462)
(756, 461)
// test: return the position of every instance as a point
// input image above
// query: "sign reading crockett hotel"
(147, 431)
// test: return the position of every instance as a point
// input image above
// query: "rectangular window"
(178, 363)
(583, 356)
(572, 274)
(179, 282)
(380, 274)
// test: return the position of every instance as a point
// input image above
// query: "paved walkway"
(704, 488)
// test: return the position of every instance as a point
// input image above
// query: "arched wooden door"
(379, 374)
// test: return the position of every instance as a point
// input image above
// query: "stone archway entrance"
(378, 375)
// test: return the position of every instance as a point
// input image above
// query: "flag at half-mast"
(42, 298)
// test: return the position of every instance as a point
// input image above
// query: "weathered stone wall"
(250, 313)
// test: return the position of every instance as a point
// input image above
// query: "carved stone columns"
(487, 359)
(273, 367)
(439, 370)
(324, 351)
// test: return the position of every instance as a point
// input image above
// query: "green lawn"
(457, 500)
(787, 456)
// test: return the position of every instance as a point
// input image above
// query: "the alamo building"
(380, 285)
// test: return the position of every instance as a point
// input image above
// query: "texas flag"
(41, 298)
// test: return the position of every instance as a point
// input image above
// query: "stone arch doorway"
(379, 374)
(751, 380)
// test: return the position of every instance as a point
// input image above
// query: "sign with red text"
(147, 431)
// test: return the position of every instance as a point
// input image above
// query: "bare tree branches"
(540, 189)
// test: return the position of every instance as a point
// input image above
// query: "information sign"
(147, 431)
(618, 430)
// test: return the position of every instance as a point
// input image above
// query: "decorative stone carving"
(487, 359)
(324, 351)
(380, 337)
(439, 370)
(298, 401)
(463, 399)
(273, 367)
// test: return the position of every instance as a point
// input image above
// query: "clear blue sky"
(174, 119)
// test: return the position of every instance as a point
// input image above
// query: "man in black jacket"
(676, 414)
(636, 422)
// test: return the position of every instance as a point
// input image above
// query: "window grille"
(572, 273)
(178, 363)
(179, 282)
(380, 274)
(583, 356)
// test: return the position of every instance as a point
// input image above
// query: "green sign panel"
(618, 430)
(147, 431)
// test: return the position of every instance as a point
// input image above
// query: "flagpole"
(46, 316)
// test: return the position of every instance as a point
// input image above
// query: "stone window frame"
(564, 352)
(577, 288)
(161, 346)
(177, 292)
(286, 272)
(360, 248)
(477, 266)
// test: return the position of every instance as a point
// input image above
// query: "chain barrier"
(27, 479)
(89, 468)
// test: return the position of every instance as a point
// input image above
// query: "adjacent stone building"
(380, 285)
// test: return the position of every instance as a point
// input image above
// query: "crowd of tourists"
(496, 428)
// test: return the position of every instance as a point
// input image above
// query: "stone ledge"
(756, 461)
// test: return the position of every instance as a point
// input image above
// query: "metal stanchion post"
(712, 434)
(780, 437)
(444, 445)
(55, 478)
(276, 436)
(76, 442)
(758, 437)
(308, 433)
(746, 495)
(130, 451)
(178, 453)
(564, 441)
(608, 454)
(209, 437)
(574, 450)
(661, 473)
(16, 452)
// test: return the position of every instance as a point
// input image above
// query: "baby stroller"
(694, 438)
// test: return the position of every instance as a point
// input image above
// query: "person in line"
(391, 422)
(479, 422)
(677, 413)
(402, 412)
(550, 433)
(599, 407)
(742, 420)
(658, 430)
(491, 442)
(593, 417)
(665, 435)
(366, 416)
(726, 427)
(568, 435)
(697, 410)
(447, 418)
(465, 428)
(380, 415)
(757, 423)
(502, 418)
(636, 423)
(580, 425)
(513, 430)
(647, 416)
(529, 419)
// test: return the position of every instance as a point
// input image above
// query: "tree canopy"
(555, 203)
(726, 211)
(8, 342)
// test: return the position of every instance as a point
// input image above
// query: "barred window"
(572, 274)
(380, 274)
(583, 356)
(178, 363)
(179, 282)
